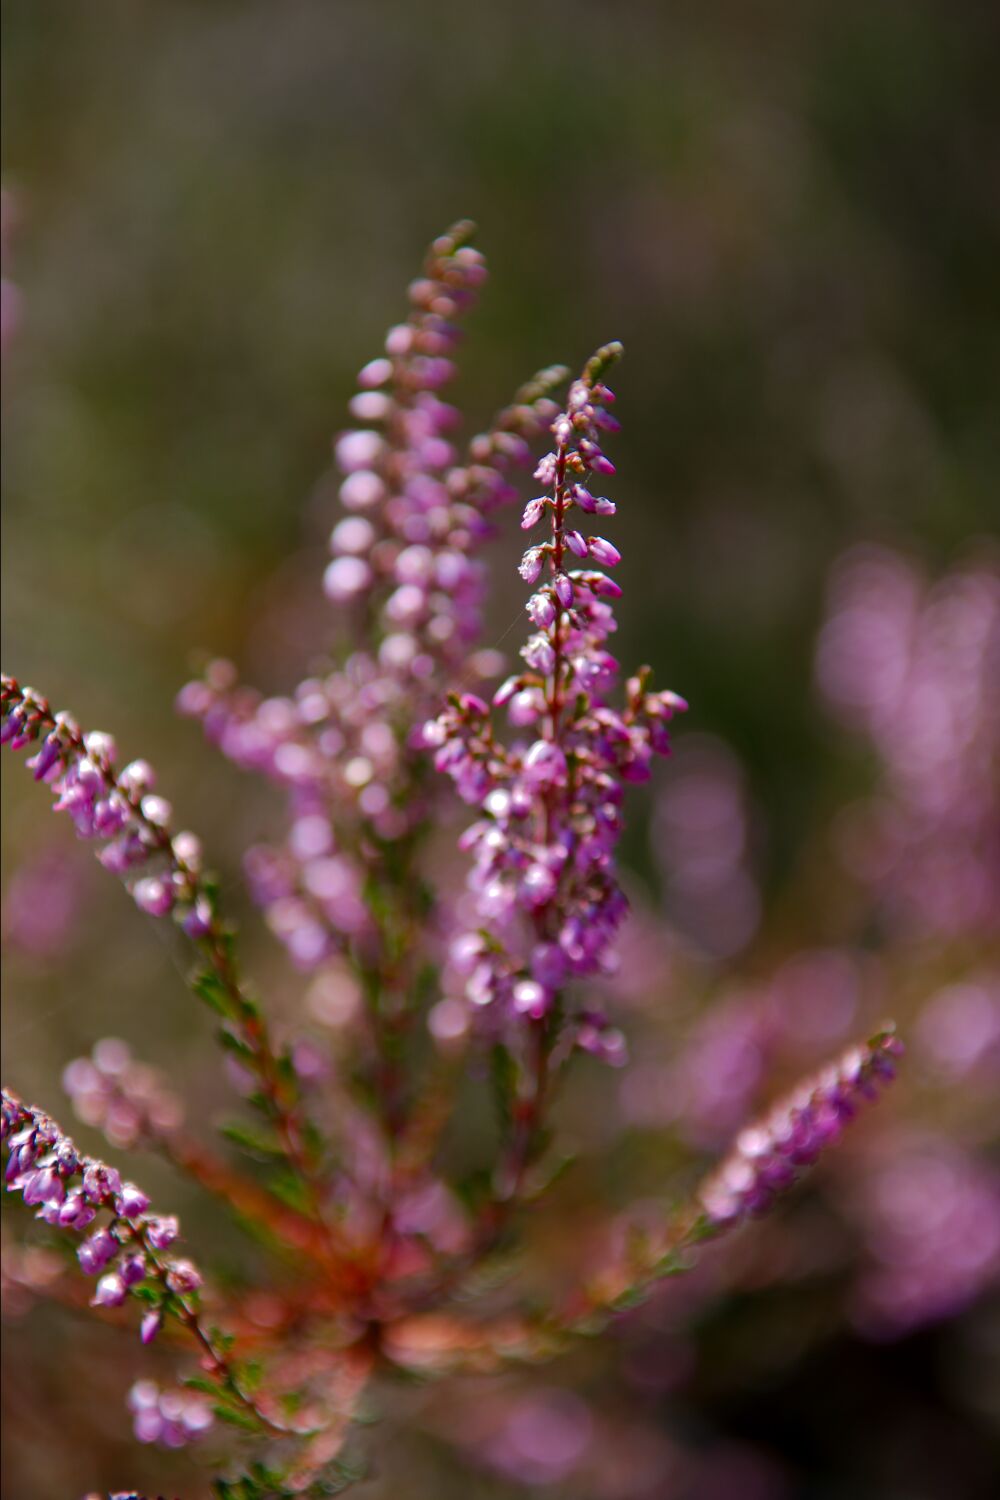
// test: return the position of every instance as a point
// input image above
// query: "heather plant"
(387, 1259)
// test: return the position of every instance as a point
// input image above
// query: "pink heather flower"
(541, 610)
(530, 999)
(132, 1201)
(153, 896)
(913, 667)
(96, 1251)
(171, 1419)
(405, 571)
(543, 881)
(150, 1326)
(70, 1190)
(111, 1291)
(358, 450)
(117, 808)
(603, 552)
(563, 591)
(182, 1277)
(126, 1100)
(346, 578)
(769, 1156)
(133, 1269)
(161, 1232)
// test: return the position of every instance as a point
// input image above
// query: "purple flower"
(95, 1252)
(72, 1189)
(111, 1291)
(183, 1276)
(603, 552)
(161, 1232)
(530, 999)
(543, 881)
(768, 1156)
(541, 610)
(405, 573)
(132, 1201)
(75, 1212)
(150, 1326)
(171, 1419)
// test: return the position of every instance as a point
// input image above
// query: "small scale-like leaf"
(249, 1139)
(209, 988)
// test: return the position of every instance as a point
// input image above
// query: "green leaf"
(236, 1416)
(634, 1297)
(249, 1139)
(206, 1386)
(234, 1043)
(209, 988)
(290, 1190)
(503, 1073)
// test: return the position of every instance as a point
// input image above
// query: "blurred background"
(789, 216)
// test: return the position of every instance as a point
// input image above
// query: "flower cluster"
(914, 668)
(69, 1191)
(118, 808)
(769, 1156)
(130, 1102)
(408, 590)
(163, 871)
(547, 900)
(172, 1419)
(930, 1212)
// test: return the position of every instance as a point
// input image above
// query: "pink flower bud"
(530, 998)
(345, 578)
(150, 1326)
(603, 552)
(111, 1291)
(153, 896)
(541, 610)
(564, 590)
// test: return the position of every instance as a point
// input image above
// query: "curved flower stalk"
(766, 1160)
(164, 875)
(69, 1191)
(769, 1156)
(127, 1253)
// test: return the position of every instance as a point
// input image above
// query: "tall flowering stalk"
(546, 897)
(377, 1245)
(407, 588)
